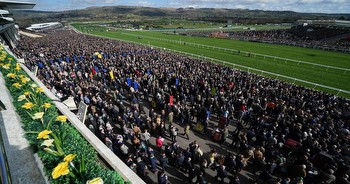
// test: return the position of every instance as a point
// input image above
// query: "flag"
(111, 74)
(128, 81)
(96, 69)
(136, 85)
(171, 100)
(93, 71)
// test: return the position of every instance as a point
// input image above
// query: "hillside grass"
(324, 76)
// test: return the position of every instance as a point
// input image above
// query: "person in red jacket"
(159, 143)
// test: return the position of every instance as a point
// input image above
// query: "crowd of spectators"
(287, 133)
(303, 36)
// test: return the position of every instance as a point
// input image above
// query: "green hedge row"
(66, 155)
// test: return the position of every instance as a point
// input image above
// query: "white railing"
(241, 66)
(243, 52)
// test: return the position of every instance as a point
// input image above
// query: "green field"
(325, 76)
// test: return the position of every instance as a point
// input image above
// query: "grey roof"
(16, 5)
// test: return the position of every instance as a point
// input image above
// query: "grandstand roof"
(16, 5)
(8, 31)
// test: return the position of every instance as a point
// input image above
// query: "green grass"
(328, 77)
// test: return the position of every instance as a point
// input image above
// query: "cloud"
(94, 2)
(310, 6)
(143, 3)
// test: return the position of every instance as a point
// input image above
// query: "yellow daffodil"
(21, 76)
(38, 115)
(47, 105)
(97, 180)
(17, 85)
(18, 67)
(61, 118)
(27, 93)
(69, 157)
(48, 143)
(11, 75)
(28, 105)
(44, 134)
(7, 66)
(39, 90)
(60, 170)
(25, 80)
(10, 59)
(33, 85)
(21, 98)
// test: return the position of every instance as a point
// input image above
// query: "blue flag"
(136, 85)
(96, 69)
(129, 81)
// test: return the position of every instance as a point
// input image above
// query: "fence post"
(338, 92)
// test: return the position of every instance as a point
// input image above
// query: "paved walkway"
(22, 165)
(29, 34)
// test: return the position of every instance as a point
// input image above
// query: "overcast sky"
(307, 6)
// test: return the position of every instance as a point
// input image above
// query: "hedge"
(67, 157)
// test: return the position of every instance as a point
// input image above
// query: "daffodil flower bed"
(66, 155)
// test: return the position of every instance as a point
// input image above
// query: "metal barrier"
(5, 175)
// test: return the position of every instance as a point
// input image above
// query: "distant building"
(8, 28)
(42, 27)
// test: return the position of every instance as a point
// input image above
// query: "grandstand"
(8, 30)
(341, 24)
(42, 27)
